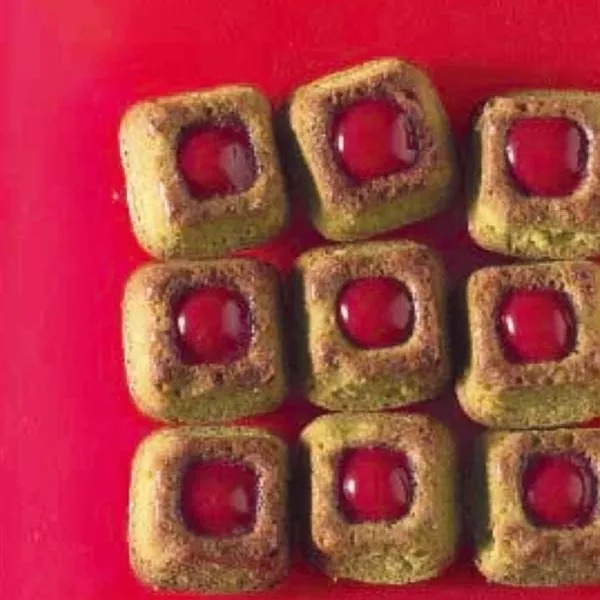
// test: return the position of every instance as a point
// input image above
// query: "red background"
(67, 427)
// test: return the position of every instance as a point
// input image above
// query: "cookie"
(375, 147)
(536, 175)
(381, 492)
(202, 172)
(203, 340)
(373, 317)
(536, 518)
(534, 337)
(208, 510)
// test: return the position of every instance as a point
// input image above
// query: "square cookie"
(203, 340)
(536, 181)
(535, 337)
(374, 320)
(208, 510)
(202, 172)
(381, 496)
(375, 146)
(536, 515)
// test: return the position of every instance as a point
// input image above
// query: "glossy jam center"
(558, 490)
(374, 485)
(216, 160)
(536, 325)
(374, 137)
(218, 498)
(547, 156)
(375, 312)
(213, 326)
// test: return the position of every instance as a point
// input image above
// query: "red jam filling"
(375, 312)
(374, 137)
(559, 490)
(218, 498)
(213, 326)
(536, 325)
(215, 160)
(547, 156)
(374, 485)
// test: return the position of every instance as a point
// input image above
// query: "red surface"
(375, 312)
(213, 325)
(216, 160)
(70, 68)
(218, 498)
(536, 325)
(559, 490)
(374, 484)
(373, 138)
(547, 156)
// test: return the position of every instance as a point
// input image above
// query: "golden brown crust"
(419, 545)
(166, 388)
(344, 211)
(167, 220)
(166, 554)
(513, 550)
(360, 374)
(505, 219)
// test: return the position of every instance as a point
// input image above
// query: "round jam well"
(218, 498)
(547, 156)
(559, 490)
(374, 484)
(374, 137)
(536, 325)
(213, 326)
(375, 312)
(216, 160)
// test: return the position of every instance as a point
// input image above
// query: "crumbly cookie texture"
(165, 554)
(343, 211)
(510, 549)
(416, 547)
(167, 220)
(501, 394)
(501, 217)
(166, 388)
(341, 376)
